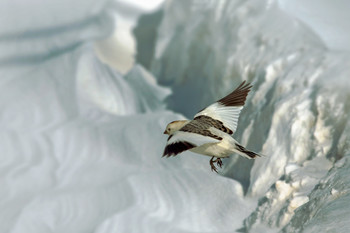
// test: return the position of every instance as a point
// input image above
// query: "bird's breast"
(220, 149)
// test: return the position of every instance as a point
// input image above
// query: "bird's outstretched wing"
(225, 112)
(188, 137)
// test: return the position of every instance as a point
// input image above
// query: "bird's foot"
(211, 162)
(219, 162)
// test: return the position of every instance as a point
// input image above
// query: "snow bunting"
(210, 132)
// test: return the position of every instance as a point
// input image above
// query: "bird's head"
(174, 126)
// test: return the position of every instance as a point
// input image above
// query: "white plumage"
(227, 115)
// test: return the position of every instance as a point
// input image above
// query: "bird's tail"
(241, 150)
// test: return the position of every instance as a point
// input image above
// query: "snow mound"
(81, 143)
(296, 112)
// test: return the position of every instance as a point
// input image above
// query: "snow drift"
(297, 113)
(81, 143)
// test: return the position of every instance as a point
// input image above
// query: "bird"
(211, 131)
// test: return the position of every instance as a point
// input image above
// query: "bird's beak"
(165, 132)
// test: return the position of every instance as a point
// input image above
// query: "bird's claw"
(212, 161)
(214, 169)
(219, 162)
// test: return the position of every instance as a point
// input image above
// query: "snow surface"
(296, 112)
(329, 19)
(81, 143)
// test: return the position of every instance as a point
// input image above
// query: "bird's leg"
(211, 162)
(219, 162)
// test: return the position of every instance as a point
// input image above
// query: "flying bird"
(210, 132)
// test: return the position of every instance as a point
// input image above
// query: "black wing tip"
(176, 148)
(250, 154)
(244, 86)
(238, 96)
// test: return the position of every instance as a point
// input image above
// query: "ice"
(115, 93)
(327, 209)
(328, 19)
(296, 112)
(81, 142)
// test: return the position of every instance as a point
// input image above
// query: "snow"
(328, 19)
(81, 140)
(327, 209)
(298, 107)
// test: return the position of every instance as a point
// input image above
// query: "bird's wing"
(189, 138)
(225, 112)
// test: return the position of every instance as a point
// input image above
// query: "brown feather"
(199, 126)
(214, 123)
(238, 96)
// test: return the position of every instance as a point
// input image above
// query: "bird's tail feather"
(246, 153)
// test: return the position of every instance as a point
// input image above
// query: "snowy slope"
(81, 143)
(296, 112)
